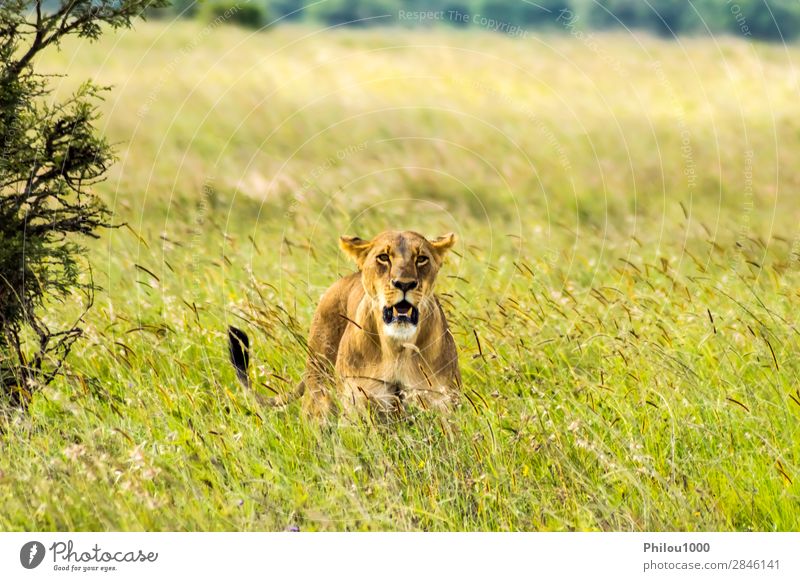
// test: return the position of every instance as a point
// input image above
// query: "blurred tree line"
(775, 20)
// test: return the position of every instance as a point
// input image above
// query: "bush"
(178, 8)
(50, 158)
(252, 14)
(355, 12)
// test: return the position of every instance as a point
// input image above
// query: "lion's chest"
(393, 382)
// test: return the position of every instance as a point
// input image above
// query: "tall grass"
(624, 296)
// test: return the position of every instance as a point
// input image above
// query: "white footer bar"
(401, 556)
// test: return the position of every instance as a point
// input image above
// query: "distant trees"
(286, 10)
(540, 13)
(773, 20)
(762, 19)
(355, 12)
(666, 17)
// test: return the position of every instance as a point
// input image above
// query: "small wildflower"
(150, 473)
(137, 457)
(75, 451)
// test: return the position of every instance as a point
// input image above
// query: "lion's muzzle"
(402, 312)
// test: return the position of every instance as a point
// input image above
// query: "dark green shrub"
(50, 157)
(355, 12)
(252, 14)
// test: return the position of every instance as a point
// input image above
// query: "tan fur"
(355, 358)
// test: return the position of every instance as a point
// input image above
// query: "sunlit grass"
(624, 295)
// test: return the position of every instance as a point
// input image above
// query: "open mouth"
(402, 312)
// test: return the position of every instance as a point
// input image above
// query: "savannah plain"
(624, 293)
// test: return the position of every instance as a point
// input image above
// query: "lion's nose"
(405, 286)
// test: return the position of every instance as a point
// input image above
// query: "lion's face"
(398, 271)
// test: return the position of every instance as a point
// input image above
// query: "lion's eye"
(383, 258)
(422, 260)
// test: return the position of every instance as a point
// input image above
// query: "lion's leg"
(326, 333)
(364, 393)
(319, 382)
(437, 396)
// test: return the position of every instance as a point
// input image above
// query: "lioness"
(379, 335)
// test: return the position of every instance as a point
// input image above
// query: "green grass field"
(624, 294)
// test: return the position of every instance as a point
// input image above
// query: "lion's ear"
(355, 248)
(442, 244)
